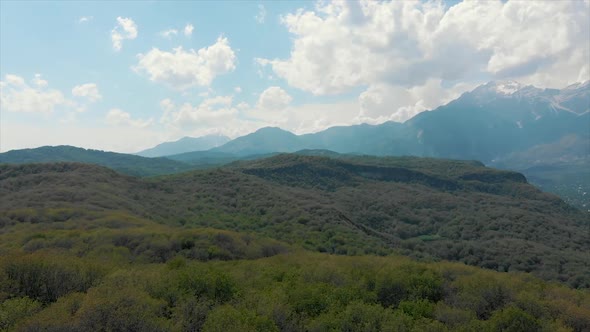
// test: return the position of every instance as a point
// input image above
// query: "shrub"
(229, 319)
(120, 309)
(513, 319)
(16, 309)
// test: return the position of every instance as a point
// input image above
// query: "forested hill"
(124, 163)
(424, 208)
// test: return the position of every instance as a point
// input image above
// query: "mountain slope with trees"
(124, 163)
(83, 247)
(425, 208)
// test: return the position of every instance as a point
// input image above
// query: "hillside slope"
(426, 208)
(124, 163)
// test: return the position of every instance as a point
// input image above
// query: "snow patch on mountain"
(507, 87)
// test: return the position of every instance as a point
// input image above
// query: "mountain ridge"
(125, 163)
(184, 144)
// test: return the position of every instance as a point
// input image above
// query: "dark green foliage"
(298, 292)
(426, 208)
(15, 309)
(513, 319)
(43, 279)
(216, 286)
(120, 309)
(229, 319)
(85, 248)
(408, 283)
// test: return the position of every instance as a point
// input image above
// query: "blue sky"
(125, 76)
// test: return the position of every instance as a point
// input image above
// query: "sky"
(125, 76)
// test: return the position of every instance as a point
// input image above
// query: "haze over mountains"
(502, 124)
(185, 144)
(485, 124)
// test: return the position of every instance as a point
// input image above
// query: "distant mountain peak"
(506, 87)
(578, 85)
(272, 130)
(185, 144)
(494, 89)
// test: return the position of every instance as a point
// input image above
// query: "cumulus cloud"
(117, 117)
(85, 19)
(38, 81)
(214, 115)
(237, 89)
(182, 69)
(211, 112)
(261, 15)
(88, 90)
(389, 47)
(347, 44)
(125, 29)
(18, 96)
(274, 98)
(188, 29)
(14, 80)
(168, 33)
(386, 102)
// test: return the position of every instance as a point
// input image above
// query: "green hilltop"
(313, 241)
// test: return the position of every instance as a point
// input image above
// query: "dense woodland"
(86, 248)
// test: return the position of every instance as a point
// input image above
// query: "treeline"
(288, 292)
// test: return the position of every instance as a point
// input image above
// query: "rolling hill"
(426, 208)
(124, 163)
(292, 243)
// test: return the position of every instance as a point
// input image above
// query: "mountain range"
(502, 124)
(185, 144)
(242, 237)
(487, 123)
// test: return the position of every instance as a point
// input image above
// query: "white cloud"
(88, 90)
(14, 80)
(182, 69)
(386, 102)
(17, 96)
(243, 105)
(261, 16)
(188, 29)
(168, 33)
(395, 48)
(274, 98)
(85, 19)
(38, 81)
(216, 115)
(125, 29)
(109, 138)
(210, 113)
(117, 117)
(237, 89)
